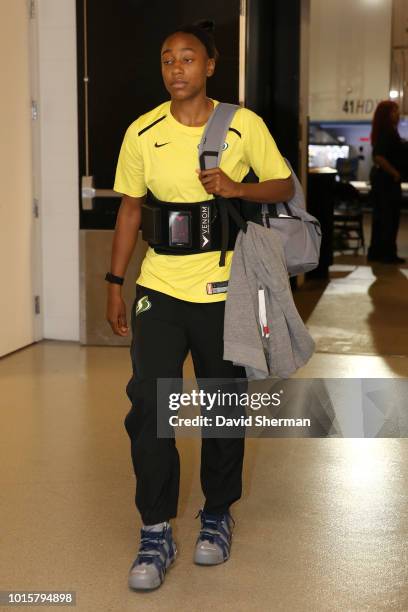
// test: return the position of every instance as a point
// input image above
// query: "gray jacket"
(259, 274)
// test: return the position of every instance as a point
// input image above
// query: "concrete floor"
(322, 525)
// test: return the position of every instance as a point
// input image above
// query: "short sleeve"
(130, 176)
(260, 150)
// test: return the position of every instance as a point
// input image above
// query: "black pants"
(386, 200)
(162, 335)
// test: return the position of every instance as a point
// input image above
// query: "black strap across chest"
(214, 225)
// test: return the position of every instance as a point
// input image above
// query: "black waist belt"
(198, 227)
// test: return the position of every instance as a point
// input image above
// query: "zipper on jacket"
(262, 313)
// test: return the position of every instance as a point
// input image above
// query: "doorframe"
(36, 209)
(242, 51)
(304, 92)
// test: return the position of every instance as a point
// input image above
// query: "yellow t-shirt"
(163, 158)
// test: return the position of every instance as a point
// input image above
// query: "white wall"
(59, 212)
(399, 66)
(350, 54)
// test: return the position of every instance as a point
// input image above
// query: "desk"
(364, 187)
(323, 170)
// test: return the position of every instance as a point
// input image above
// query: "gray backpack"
(299, 231)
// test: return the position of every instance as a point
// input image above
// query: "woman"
(173, 311)
(390, 159)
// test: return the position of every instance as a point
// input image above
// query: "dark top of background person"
(385, 138)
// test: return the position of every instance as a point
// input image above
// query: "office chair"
(348, 231)
(347, 168)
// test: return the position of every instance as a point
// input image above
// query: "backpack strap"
(226, 207)
(209, 153)
(210, 147)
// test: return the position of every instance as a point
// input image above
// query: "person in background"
(390, 160)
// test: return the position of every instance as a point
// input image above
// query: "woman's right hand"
(116, 311)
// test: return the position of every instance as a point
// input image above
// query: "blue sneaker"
(214, 541)
(157, 552)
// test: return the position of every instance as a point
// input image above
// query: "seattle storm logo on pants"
(142, 305)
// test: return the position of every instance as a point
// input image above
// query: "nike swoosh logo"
(160, 145)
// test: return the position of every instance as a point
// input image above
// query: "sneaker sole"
(203, 559)
(204, 562)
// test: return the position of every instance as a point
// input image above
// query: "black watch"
(111, 278)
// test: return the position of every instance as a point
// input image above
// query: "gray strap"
(211, 145)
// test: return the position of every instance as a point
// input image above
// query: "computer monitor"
(327, 154)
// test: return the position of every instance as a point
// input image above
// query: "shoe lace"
(214, 523)
(151, 547)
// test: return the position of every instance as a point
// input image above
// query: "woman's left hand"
(216, 182)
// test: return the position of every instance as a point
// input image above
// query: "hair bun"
(206, 24)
